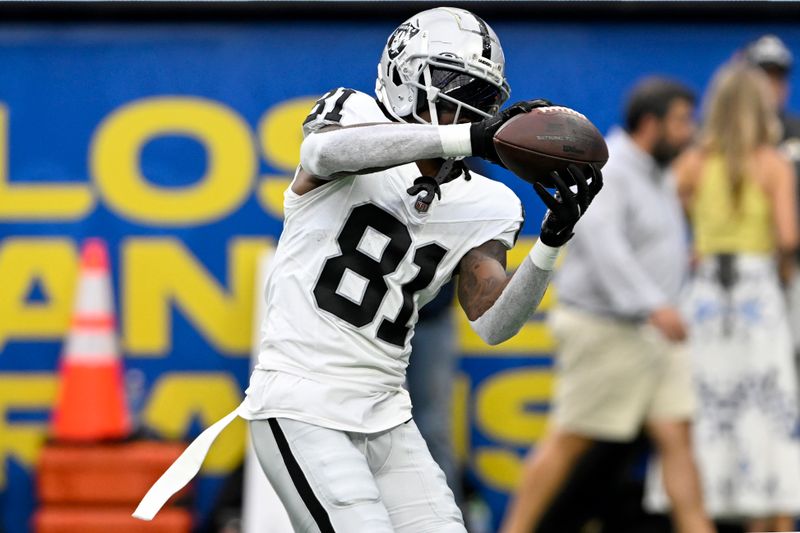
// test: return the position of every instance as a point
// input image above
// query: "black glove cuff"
(477, 132)
(556, 239)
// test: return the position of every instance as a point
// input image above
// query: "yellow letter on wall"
(117, 146)
(280, 134)
(503, 414)
(38, 201)
(24, 261)
(503, 404)
(177, 399)
(161, 272)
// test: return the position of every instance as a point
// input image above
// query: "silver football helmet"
(442, 59)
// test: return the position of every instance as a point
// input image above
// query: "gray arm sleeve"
(519, 299)
(353, 149)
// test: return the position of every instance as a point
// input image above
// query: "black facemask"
(472, 91)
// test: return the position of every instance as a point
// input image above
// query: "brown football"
(534, 144)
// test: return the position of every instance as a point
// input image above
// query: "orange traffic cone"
(91, 404)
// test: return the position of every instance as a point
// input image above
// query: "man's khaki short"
(613, 375)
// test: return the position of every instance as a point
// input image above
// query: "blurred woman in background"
(739, 193)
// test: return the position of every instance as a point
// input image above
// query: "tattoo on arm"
(482, 278)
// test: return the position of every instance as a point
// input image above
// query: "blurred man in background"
(621, 362)
(771, 54)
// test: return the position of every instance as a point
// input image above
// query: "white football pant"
(336, 481)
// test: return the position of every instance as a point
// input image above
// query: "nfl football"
(531, 145)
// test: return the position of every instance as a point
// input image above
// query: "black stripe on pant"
(314, 506)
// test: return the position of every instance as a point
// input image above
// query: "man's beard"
(664, 152)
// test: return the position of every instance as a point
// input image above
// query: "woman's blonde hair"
(740, 117)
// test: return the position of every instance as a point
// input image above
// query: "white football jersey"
(354, 264)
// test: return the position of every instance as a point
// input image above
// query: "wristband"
(543, 256)
(456, 140)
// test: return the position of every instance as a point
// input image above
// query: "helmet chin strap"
(431, 186)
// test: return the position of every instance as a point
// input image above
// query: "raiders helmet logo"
(399, 39)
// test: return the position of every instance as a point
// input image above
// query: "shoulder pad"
(342, 107)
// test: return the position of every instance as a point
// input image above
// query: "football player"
(380, 214)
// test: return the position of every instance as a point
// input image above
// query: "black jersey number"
(371, 266)
(335, 114)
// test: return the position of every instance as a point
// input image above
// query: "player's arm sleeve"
(520, 297)
(601, 235)
(344, 135)
(522, 292)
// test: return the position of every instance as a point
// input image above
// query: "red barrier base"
(54, 519)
